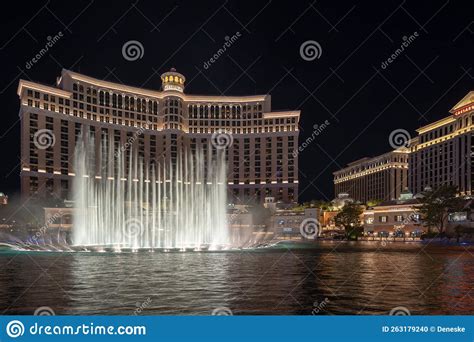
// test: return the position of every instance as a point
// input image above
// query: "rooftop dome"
(172, 81)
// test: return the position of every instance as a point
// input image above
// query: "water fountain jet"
(126, 203)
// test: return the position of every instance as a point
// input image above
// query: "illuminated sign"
(173, 87)
(464, 110)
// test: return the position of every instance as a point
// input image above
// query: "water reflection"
(335, 278)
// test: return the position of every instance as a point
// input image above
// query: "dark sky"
(345, 86)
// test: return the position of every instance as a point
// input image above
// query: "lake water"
(332, 278)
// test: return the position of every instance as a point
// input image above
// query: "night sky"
(346, 85)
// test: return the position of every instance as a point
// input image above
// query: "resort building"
(156, 125)
(288, 223)
(379, 178)
(401, 219)
(442, 153)
(395, 218)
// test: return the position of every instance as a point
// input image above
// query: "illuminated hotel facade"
(156, 124)
(379, 178)
(443, 151)
(441, 154)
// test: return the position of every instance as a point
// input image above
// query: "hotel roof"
(465, 101)
(159, 94)
(460, 107)
(368, 160)
(436, 124)
(59, 90)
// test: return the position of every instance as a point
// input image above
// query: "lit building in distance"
(442, 153)
(156, 124)
(379, 178)
(397, 218)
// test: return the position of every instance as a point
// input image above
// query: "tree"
(373, 202)
(313, 204)
(349, 218)
(437, 205)
(324, 205)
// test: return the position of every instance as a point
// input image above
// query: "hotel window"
(383, 219)
(398, 218)
(33, 184)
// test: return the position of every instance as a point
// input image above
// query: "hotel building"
(395, 218)
(443, 151)
(379, 178)
(157, 125)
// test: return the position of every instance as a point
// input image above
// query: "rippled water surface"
(332, 278)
